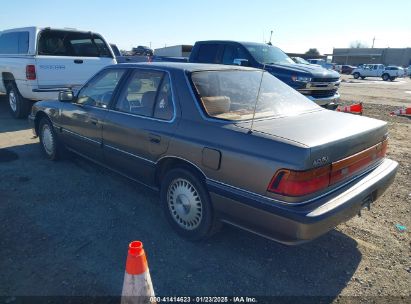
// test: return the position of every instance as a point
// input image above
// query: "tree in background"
(313, 52)
(358, 44)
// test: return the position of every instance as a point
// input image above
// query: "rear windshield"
(231, 95)
(66, 43)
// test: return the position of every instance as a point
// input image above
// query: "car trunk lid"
(330, 136)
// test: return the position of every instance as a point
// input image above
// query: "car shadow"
(69, 224)
(7, 122)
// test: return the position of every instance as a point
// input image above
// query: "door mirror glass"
(66, 96)
(241, 62)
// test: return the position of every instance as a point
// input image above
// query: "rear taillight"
(30, 72)
(299, 183)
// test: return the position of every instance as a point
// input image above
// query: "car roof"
(234, 41)
(39, 28)
(189, 67)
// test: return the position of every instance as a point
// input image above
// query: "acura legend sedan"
(223, 144)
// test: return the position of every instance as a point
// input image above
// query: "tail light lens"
(298, 183)
(30, 72)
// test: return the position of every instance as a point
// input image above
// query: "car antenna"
(258, 97)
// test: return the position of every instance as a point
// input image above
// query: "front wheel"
(19, 106)
(187, 205)
(356, 75)
(385, 77)
(48, 139)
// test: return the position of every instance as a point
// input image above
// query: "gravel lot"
(65, 227)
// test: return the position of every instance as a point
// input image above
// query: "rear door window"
(147, 93)
(77, 44)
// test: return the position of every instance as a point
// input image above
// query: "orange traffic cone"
(354, 109)
(403, 111)
(137, 286)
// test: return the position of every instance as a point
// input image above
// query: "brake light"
(298, 183)
(30, 72)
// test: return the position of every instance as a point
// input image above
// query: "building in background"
(386, 56)
(174, 51)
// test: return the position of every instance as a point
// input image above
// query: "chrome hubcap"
(184, 204)
(47, 140)
(12, 101)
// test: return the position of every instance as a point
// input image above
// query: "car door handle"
(78, 61)
(154, 138)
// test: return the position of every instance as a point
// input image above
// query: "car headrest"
(147, 100)
(216, 104)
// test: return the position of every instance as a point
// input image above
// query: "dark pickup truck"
(316, 83)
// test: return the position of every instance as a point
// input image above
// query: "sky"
(296, 25)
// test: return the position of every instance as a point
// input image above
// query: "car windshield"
(300, 60)
(231, 95)
(268, 54)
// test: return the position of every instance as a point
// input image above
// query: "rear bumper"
(296, 224)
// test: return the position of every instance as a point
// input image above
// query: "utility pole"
(373, 40)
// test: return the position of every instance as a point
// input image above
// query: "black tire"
(356, 75)
(48, 140)
(183, 211)
(19, 106)
(362, 77)
(385, 77)
(392, 78)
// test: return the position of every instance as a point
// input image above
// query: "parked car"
(223, 144)
(347, 69)
(316, 83)
(323, 63)
(399, 70)
(376, 70)
(35, 63)
(142, 51)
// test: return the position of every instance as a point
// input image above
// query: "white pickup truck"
(377, 70)
(36, 63)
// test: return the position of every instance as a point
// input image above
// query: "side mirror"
(241, 62)
(66, 96)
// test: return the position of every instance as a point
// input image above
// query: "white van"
(36, 63)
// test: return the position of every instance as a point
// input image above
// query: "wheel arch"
(39, 116)
(7, 77)
(167, 163)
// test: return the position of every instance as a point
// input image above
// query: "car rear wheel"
(356, 75)
(187, 205)
(19, 106)
(385, 77)
(48, 139)
(392, 78)
(362, 77)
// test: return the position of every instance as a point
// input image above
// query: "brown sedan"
(223, 144)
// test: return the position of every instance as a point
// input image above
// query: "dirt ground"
(65, 227)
